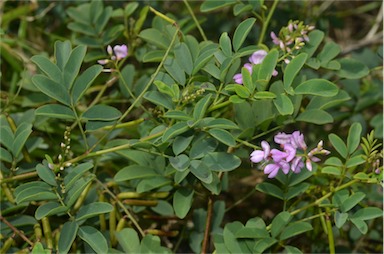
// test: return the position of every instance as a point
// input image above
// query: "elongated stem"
(266, 23)
(331, 240)
(195, 20)
(207, 226)
(14, 229)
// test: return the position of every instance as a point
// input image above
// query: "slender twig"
(18, 232)
(266, 23)
(195, 20)
(331, 240)
(207, 226)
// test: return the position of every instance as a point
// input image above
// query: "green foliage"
(151, 148)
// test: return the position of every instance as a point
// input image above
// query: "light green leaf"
(67, 236)
(293, 68)
(361, 225)
(62, 52)
(74, 193)
(319, 87)
(182, 201)
(180, 162)
(210, 5)
(270, 189)
(155, 37)
(354, 161)
(340, 219)
(180, 144)
(93, 209)
(159, 99)
(316, 116)
(128, 240)
(338, 144)
(264, 95)
(222, 123)
(175, 70)
(329, 51)
(367, 213)
(242, 32)
(94, 238)
(201, 107)
(101, 113)
(352, 201)
(315, 38)
(178, 115)
(283, 104)
(183, 57)
(352, 69)
(354, 135)
(151, 183)
(331, 170)
(201, 171)
(55, 111)
(76, 173)
(268, 65)
(21, 135)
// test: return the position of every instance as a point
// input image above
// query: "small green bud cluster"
(188, 98)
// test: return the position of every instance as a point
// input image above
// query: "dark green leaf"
(367, 213)
(129, 240)
(21, 135)
(293, 68)
(159, 99)
(294, 229)
(338, 144)
(331, 170)
(329, 51)
(268, 65)
(183, 57)
(315, 38)
(49, 68)
(84, 81)
(354, 135)
(67, 236)
(76, 173)
(55, 111)
(93, 209)
(316, 116)
(72, 67)
(46, 174)
(180, 144)
(62, 52)
(221, 161)
(94, 238)
(319, 87)
(74, 193)
(270, 189)
(134, 172)
(201, 171)
(180, 162)
(201, 107)
(101, 113)
(283, 104)
(52, 89)
(340, 219)
(175, 70)
(48, 209)
(182, 201)
(352, 201)
(279, 223)
(355, 160)
(223, 136)
(210, 5)
(175, 130)
(352, 69)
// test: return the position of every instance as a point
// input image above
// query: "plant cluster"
(127, 131)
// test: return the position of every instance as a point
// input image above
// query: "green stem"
(195, 20)
(266, 23)
(331, 240)
(207, 226)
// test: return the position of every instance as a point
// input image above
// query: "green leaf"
(93, 209)
(159, 99)
(180, 144)
(316, 116)
(352, 69)
(361, 225)
(48, 209)
(205, 55)
(6, 136)
(338, 144)
(340, 219)
(182, 201)
(178, 115)
(201, 107)
(263, 244)
(56, 111)
(291, 250)
(319, 87)
(352, 201)
(283, 104)
(221, 161)
(84, 81)
(49, 68)
(354, 135)
(101, 112)
(5, 155)
(130, 8)
(33, 184)
(180, 162)
(293, 68)
(72, 67)
(225, 44)
(230, 241)
(74, 193)
(21, 135)
(242, 32)
(67, 236)
(175, 70)
(331, 170)
(149, 184)
(319, 102)
(294, 191)
(294, 229)
(264, 95)
(354, 161)
(164, 88)
(52, 89)
(201, 171)
(334, 161)
(329, 51)
(361, 176)
(315, 38)
(202, 147)
(242, 91)
(241, 8)
(46, 174)
(247, 81)
(270, 189)
(35, 194)
(183, 57)
(279, 223)
(367, 213)
(38, 248)
(155, 37)
(62, 52)
(210, 5)
(94, 238)
(221, 123)
(268, 65)
(153, 56)
(134, 172)
(223, 136)
(128, 240)
(175, 130)
(77, 172)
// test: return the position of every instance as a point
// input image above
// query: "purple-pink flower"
(116, 53)
(291, 157)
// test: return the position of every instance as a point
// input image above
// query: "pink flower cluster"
(256, 58)
(289, 158)
(117, 53)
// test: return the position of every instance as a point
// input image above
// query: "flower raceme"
(117, 53)
(289, 158)
(256, 58)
